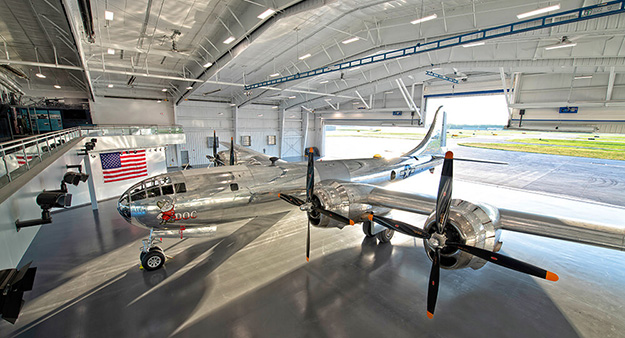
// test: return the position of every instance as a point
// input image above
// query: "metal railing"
(18, 156)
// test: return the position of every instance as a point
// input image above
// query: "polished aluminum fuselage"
(221, 194)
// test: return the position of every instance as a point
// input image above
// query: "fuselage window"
(149, 183)
(137, 196)
(167, 189)
(234, 186)
(180, 188)
(154, 192)
(165, 180)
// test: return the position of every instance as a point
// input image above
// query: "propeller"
(232, 151)
(438, 241)
(312, 204)
(215, 158)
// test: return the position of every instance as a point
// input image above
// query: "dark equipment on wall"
(49, 199)
(13, 284)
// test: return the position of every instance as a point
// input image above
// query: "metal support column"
(92, 195)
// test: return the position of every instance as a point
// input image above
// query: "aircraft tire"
(385, 236)
(366, 229)
(153, 260)
(153, 248)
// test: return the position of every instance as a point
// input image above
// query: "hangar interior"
(167, 75)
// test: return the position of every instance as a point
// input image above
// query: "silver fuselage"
(200, 197)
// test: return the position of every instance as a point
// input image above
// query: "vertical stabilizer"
(435, 140)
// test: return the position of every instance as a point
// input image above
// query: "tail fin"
(435, 141)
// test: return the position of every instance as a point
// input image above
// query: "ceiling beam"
(71, 14)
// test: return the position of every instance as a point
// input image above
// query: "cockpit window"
(165, 180)
(167, 189)
(154, 192)
(180, 188)
(136, 196)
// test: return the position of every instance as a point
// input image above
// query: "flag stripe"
(123, 165)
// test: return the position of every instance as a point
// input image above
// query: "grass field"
(575, 143)
(610, 154)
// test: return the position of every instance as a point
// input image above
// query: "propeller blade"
(334, 216)
(291, 199)
(308, 242)
(214, 144)
(232, 151)
(433, 283)
(507, 262)
(310, 175)
(401, 226)
(443, 201)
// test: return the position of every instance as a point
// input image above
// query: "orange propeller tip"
(307, 259)
(310, 150)
(430, 315)
(552, 276)
(370, 217)
(449, 155)
(278, 194)
(351, 222)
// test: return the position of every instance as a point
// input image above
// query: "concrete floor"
(252, 280)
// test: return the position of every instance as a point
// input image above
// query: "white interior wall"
(200, 118)
(131, 112)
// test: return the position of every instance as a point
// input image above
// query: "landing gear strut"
(152, 256)
(369, 229)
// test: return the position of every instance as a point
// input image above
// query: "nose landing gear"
(152, 257)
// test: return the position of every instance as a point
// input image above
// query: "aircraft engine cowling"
(345, 199)
(471, 224)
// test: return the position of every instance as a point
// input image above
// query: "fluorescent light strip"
(111, 51)
(41, 76)
(325, 81)
(266, 14)
(350, 40)
(208, 64)
(424, 19)
(305, 56)
(274, 75)
(111, 85)
(108, 15)
(164, 89)
(538, 11)
(474, 44)
(583, 77)
(562, 45)
(57, 86)
(229, 40)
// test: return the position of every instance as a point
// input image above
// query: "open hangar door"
(475, 110)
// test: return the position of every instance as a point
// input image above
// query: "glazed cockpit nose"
(123, 206)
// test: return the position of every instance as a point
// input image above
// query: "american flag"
(125, 165)
(20, 159)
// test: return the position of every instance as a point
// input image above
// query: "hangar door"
(470, 110)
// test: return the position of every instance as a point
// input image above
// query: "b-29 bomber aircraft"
(336, 193)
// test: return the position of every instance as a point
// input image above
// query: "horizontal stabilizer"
(474, 160)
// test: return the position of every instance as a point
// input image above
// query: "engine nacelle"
(344, 199)
(470, 224)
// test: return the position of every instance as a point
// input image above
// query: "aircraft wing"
(543, 215)
(246, 155)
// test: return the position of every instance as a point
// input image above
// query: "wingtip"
(449, 155)
(552, 276)
(430, 315)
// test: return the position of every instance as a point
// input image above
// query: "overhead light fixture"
(208, 64)
(324, 81)
(259, 115)
(108, 15)
(538, 11)
(424, 19)
(292, 97)
(233, 104)
(388, 92)
(158, 101)
(111, 85)
(274, 75)
(41, 76)
(111, 51)
(474, 44)
(275, 107)
(189, 88)
(229, 40)
(164, 89)
(350, 40)
(220, 114)
(583, 77)
(564, 43)
(264, 15)
(305, 56)
(57, 86)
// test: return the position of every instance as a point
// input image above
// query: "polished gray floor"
(252, 280)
